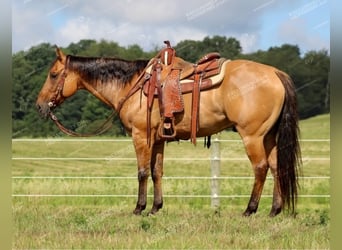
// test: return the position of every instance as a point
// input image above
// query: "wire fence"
(213, 178)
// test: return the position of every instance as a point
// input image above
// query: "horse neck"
(110, 92)
(108, 79)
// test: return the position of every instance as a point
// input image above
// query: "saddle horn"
(167, 42)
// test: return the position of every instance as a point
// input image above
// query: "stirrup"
(167, 128)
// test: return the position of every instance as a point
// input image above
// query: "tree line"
(83, 112)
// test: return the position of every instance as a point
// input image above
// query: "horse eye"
(53, 75)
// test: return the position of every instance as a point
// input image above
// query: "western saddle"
(167, 77)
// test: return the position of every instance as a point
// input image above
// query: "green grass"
(183, 223)
(98, 226)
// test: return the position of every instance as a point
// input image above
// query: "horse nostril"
(43, 109)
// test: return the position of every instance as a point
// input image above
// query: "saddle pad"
(207, 83)
(186, 85)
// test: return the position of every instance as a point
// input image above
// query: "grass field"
(76, 213)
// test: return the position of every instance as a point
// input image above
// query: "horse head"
(58, 85)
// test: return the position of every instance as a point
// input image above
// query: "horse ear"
(60, 55)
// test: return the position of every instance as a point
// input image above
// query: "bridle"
(108, 123)
(59, 93)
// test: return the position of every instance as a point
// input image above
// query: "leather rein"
(59, 92)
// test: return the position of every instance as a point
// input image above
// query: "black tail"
(288, 148)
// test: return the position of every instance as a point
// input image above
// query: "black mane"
(105, 69)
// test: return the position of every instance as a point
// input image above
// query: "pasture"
(80, 194)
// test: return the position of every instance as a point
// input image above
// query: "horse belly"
(212, 117)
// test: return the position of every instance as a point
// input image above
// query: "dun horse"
(257, 100)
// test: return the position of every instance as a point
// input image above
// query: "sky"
(257, 24)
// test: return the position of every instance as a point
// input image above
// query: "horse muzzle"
(45, 108)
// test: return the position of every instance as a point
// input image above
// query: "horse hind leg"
(271, 152)
(256, 152)
(277, 203)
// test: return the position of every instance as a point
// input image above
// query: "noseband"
(59, 90)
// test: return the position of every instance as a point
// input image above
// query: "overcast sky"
(257, 24)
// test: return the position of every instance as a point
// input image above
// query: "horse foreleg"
(143, 153)
(256, 153)
(157, 174)
(142, 193)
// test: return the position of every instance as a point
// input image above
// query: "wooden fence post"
(215, 172)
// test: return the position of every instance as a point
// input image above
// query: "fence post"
(215, 172)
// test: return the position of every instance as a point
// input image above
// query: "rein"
(103, 128)
(59, 92)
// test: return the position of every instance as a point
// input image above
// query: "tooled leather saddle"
(169, 77)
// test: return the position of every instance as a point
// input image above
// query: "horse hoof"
(248, 212)
(137, 212)
(153, 211)
(138, 209)
(274, 212)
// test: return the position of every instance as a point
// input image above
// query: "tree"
(315, 90)
(94, 114)
(227, 47)
(29, 73)
(189, 50)
(134, 52)
(192, 51)
(309, 73)
(81, 47)
(84, 113)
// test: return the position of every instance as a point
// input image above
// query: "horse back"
(251, 93)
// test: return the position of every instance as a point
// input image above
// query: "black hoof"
(138, 209)
(155, 208)
(275, 211)
(249, 212)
